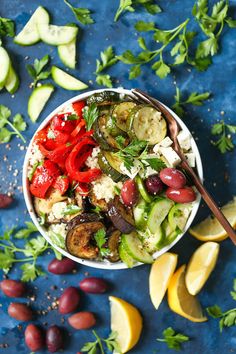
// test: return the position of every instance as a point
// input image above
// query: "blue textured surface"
(131, 285)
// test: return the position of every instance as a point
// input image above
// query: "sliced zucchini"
(158, 213)
(143, 190)
(140, 214)
(170, 234)
(134, 247)
(67, 54)
(103, 98)
(56, 35)
(38, 100)
(67, 81)
(121, 114)
(151, 242)
(125, 257)
(4, 65)
(102, 134)
(110, 165)
(12, 82)
(178, 216)
(149, 125)
(29, 34)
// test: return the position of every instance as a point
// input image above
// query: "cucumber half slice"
(134, 247)
(67, 81)
(158, 213)
(38, 100)
(4, 66)
(151, 242)
(12, 82)
(56, 35)
(125, 257)
(67, 54)
(29, 34)
(140, 214)
(178, 216)
(143, 190)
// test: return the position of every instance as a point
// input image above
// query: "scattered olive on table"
(63, 266)
(54, 339)
(34, 338)
(69, 300)
(93, 285)
(13, 288)
(82, 320)
(19, 311)
(5, 201)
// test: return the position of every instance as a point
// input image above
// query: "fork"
(174, 130)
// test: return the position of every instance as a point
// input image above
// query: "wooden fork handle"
(210, 202)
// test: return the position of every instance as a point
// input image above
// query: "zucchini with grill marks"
(121, 114)
(104, 98)
(110, 165)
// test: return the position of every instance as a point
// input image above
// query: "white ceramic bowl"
(42, 230)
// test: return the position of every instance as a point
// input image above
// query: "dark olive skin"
(5, 201)
(82, 320)
(69, 300)
(54, 339)
(13, 288)
(93, 285)
(19, 311)
(34, 338)
(63, 266)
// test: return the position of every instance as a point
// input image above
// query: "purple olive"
(34, 338)
(154, 184)
(63, 266)
(69, 300)
(19, 311)
(93, 285)
(13, 288)
(54, 339)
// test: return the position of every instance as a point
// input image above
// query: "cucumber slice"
(4, 65)
(121, 113)
(67, 54)
(110, 165)
(38, 100)
(125, 257)
(170, 234)
(140, 214)
(29, 34)
(12, 82)
(142, 190)
(67, 81)
(56, 35)
(151, 242)
(178, 216)
(134, 247)
(158, 213)
(148, 124)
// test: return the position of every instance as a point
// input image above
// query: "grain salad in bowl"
(103, 184)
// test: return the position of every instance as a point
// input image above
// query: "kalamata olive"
(5, 201)
(69, 300)
(34, 338)
(173, 178)
(63, 266)
(181, 195)
(93, 285)
(19, 311)
(13, 288)
(129, 192)
(54, 339)
(154, 184)
(82, 320)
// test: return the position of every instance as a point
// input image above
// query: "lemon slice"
(179, 299)
(161, 272)
(210, 229)
(126, 321)
(200, 266)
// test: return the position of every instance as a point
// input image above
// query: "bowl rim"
(28, 199)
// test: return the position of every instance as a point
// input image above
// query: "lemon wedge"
(161, 272)
(200, 266)
(210, 229)
(127, 322)
(179, 299)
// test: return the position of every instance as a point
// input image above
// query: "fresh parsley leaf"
(135, 148)
(16, 126)
(7, 27)
(90, 115)
(225, 140)
(233, 292)
(108, 59)
(142, 26)
(120, 141)
(155, 163)
(101, 239)
(71, 209)
(30, 272)
(36, 70)
(130, 5)
(81, 14)
(173, 339)
(125, 5)
(227, 318)
(194, 98)
(104, 80)
(110, 342)
(25, 233)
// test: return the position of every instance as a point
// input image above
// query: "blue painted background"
(131, 285)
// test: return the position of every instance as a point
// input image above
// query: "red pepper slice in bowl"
(78, 108)
(61, 124)
(61, 184)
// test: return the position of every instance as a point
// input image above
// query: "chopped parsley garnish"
(129, 5)
(110, 342)
(173, 339)
(225, 140)
(36, 70)
(81, 14)
(101, 239)
(90, 115)
(108, 59)
(17, 125)
(6, 27)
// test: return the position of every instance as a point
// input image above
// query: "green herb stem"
(16, 131)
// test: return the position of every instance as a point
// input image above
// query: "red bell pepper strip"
(61, 124)
(78, 107)
(78, 128)
(43, 178)
(61, 184)
(75, 161)
(83, 189)
(59, 154)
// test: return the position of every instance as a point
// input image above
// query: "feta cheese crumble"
(134, 170)
(170, 156)
(60, 229)
(104, 188)
(92, 161)
(57, 211)
(184, 140)
(35, 155)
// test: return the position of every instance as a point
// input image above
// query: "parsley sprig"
(129, 5)
(36, 70)
(212, 25)
(101, 239)
(223, 131)
(29, 252)
(17, 125)
(110, 342)
(90, 115)
(81, 14)
(173, 339)
(108, 59)
(6, 27)
(194, 98)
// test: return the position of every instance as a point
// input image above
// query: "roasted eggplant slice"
(82, 218)
(79, 240)
(113, 245)
(121, 217)
(101, 203)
